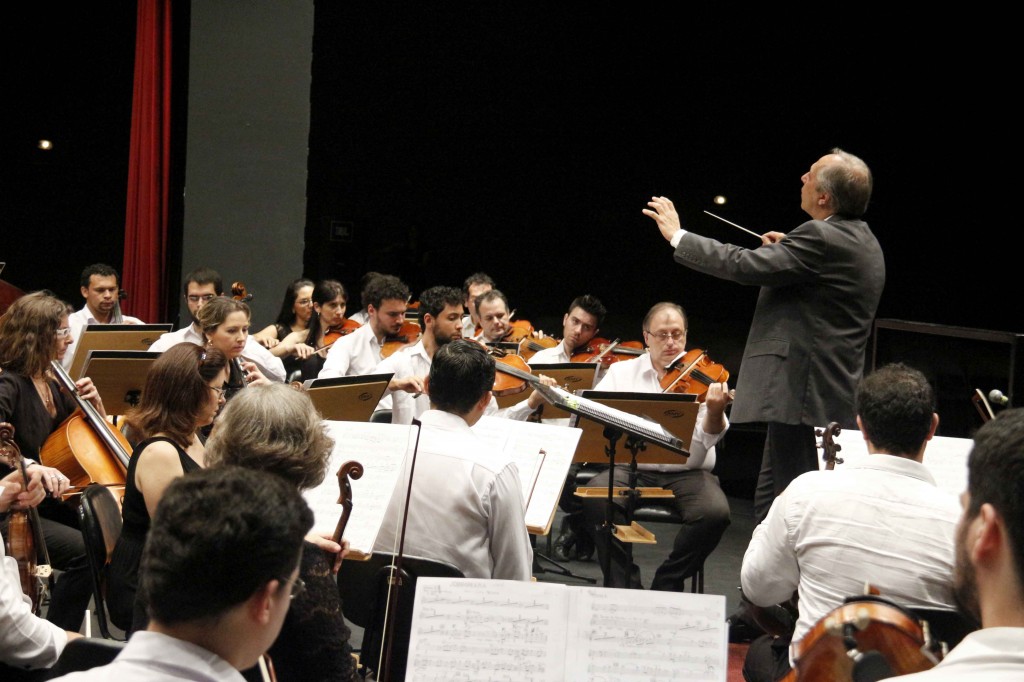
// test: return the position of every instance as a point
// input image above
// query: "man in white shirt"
(220, 568)
(201, 286)
(466, 506)
(101, 291)
(696, 493)
(27, 642)
(386, 298)
(493, 316)
(476, 284)
(988, 582)
(882, 522)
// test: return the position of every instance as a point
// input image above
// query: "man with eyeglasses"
(220, 568)
(202, 285)
(696, 493)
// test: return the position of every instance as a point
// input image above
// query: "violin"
(517, 331)
(607, 352)
(239, 293)
(406, 336)
(334, 333)
(513, 375)
(828, 446)
(25, 534)
(529, 346)
(693, 372)
(351, 469)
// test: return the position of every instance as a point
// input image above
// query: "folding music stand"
(119, 376)
(571, 376)
(113, 337)
(351, 398)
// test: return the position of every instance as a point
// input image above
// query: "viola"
(517, 331)
(512, 374)
(607, 352)
(693, 372)
(406, 336)
(529, 346)
(351, 469)
(25, 536)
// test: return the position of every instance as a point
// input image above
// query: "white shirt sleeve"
(770, 572)
(511, 553)
(25, 639)
(268, 363)
(676, 238)
(337, 361)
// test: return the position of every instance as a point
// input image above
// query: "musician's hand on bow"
(663, 211)
(410, 384)
(295, 344)
(536, 399)
(43, 480)
(267, 342)
(87, 391)
(771, 238)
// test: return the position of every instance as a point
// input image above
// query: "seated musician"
(326, 325)
(466, 503)
(988, 581)
(386, 299)
(183, 393)
(202, 286)
(27, 642)
(476, 284)
(286, 337)
(221, 569)
(362, 316)
(276, 429)
(697, 495)
(882, 522)
(101, 290)
(493, 316)
(33, 332)
(225, 325)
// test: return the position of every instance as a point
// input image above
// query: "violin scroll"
(828, 446)
(350, 469)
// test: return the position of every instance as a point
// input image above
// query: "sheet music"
(944, 457)
(381, 449)
(544, 476)
(490, 630)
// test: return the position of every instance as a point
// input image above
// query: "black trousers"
(789, 450)
(705, 512)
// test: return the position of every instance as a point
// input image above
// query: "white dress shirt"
(639, 375)
(881, 521)
(26, 640)
(154, 657)
(269, 364)
(77, 322)
(352, 354)
(986, 655)
(466, 505)
(407, 362)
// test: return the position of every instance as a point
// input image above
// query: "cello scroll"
(828, 446)
(351, 469)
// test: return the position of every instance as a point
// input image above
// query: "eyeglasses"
(205, 298)
(298, 587)
(63, 332)
(665, 336)
(305, 301)
(220, 391)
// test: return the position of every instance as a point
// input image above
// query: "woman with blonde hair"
(275, 428)
(225, 326)
(184, 390)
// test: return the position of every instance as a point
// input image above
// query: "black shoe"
(742, 628)
(565, 545)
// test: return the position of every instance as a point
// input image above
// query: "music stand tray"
(675, 412)
(351, 398)
(119, 376)
(113, 337)
(571, 376)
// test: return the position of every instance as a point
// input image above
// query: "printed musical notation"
(466, 629)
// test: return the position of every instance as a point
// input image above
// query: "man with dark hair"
(441, 321)
(466, 502)
(101, 291)
(201, 286)
(476, 284)
(361, 316)
(219, 570)
(883, 520)
(493, 316)
(386, 298)
(989, 578)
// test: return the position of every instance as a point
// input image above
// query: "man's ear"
(485, 400)
(262, 600)
(85, 291)
(985, 537)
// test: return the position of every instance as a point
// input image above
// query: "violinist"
(33, 332)
(361, 351)
(361, 316)
(183, 392)
(26, 640)
(327, 325)
(277, 430)
(101, 290)
(882, 521)
(493, 314)
(287, 337)
(989, 572)
(476, 284)
(697, 496)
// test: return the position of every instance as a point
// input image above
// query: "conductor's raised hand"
(663, 211)
(771, 238)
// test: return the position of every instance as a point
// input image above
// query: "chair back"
(363, 586)
(100, 515)
(85, 653)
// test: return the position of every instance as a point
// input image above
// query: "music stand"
(352, 398)
(640, 431)
(113, 337)
(119, 376)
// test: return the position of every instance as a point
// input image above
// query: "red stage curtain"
(145, 241)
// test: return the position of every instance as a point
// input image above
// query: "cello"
(85, 447)
(25, 534)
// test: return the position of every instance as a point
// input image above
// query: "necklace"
(44, 392)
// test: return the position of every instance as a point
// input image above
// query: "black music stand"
(113, 337)
(119, 376)
(352, 398)
(639, 431)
